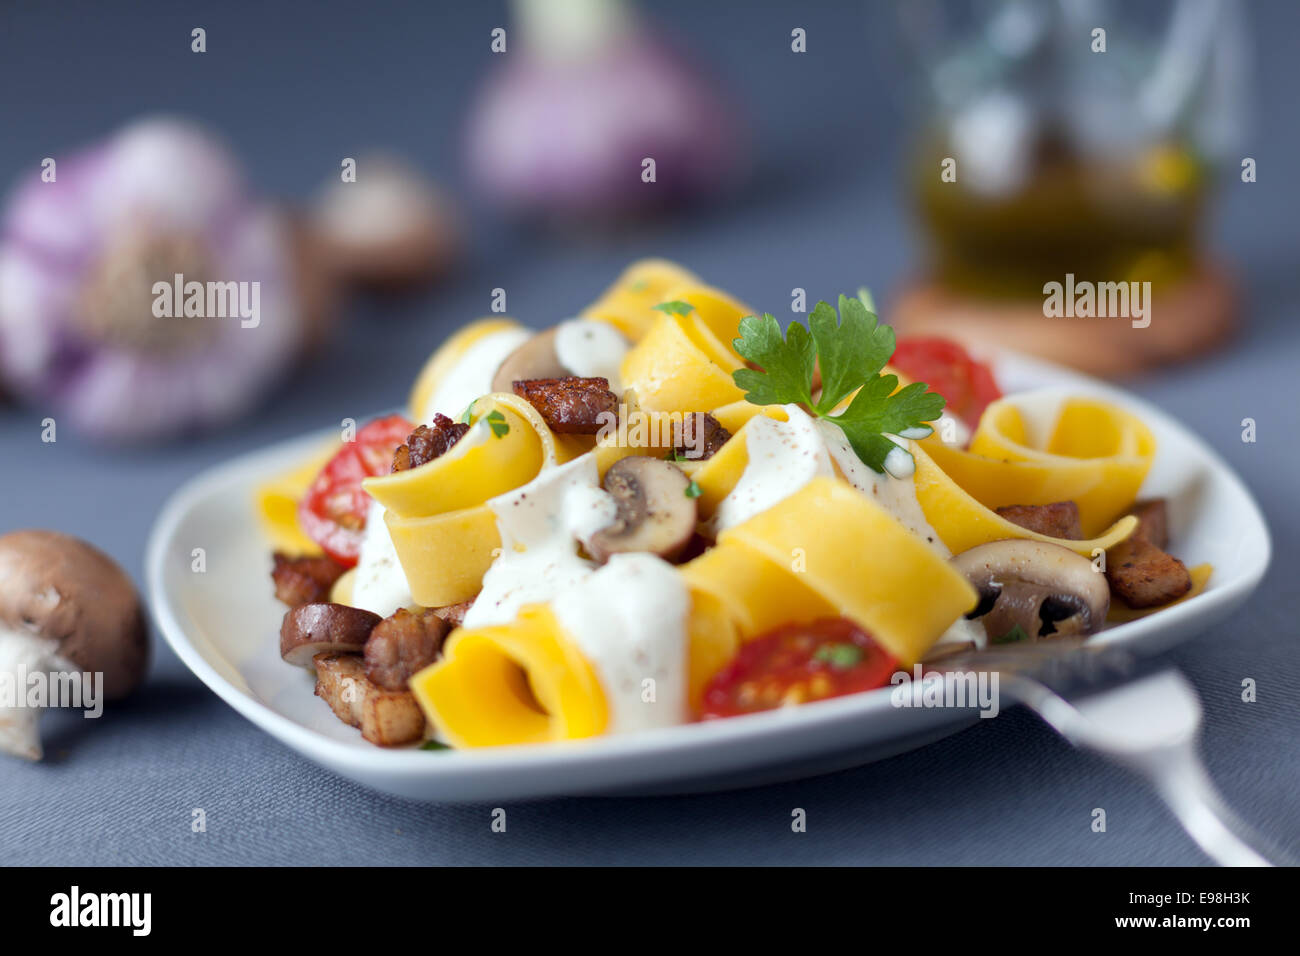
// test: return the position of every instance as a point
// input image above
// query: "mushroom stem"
(20, 655)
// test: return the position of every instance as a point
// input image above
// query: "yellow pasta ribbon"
(446, 357)
(480, 466)
(442, 528)
(676, 368)
(1097, 455)
(341, 592)
(445, 556)
(962, 522)
(718, 474)
(524, 682)
(827, 549)
(641, 432)
(718, 318)
(629, 303)
(277, 505)
(529, 682)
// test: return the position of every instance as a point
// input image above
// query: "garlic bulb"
(143, 292)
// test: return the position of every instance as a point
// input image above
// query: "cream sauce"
(629, 620)
(591, 349)
(785, 456)
(471, 377)
(379, 585)
(540, 524)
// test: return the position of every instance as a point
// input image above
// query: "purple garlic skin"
(80, 334)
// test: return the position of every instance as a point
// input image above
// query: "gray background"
(295, 87)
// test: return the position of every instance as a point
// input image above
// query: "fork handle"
(1180, 778)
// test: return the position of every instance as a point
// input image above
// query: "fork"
(1148, 724)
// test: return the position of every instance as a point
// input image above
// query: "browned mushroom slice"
(655, 513)
(402, 644)
(428, 442)
(535, 359)
(324, 629)
(1143, 575)
(571, 405)
(1031, 589)
(699, 436)
(308, 580)
(387, 718)
(1057, 520)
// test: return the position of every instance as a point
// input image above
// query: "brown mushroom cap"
(59, 588)
(534, 358)
(1044, 589)
(654, 512)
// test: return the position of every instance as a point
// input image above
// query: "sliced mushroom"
(655, 511)
(535, 358)
(324, 629)
(1034, 588)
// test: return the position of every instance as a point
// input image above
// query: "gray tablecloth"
(297, 86)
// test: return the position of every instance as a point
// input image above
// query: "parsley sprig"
(851, 349)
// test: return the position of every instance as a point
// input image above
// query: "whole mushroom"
(389, 230)
(65, 607)
(1042, 589)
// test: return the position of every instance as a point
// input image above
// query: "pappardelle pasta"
(669, 509)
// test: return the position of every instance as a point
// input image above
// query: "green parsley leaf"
(674, 455)
(469, 410)
(786, 361)
(675, 307)
(877, 410)
(434, 745)
(1014, 636)
(693, 490)
(497, 422)
(851, 349)
(839, 656)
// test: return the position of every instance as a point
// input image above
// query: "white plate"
(224, 625)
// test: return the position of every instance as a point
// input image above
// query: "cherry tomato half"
(966, 383)
(333, 512)
(796, 663)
